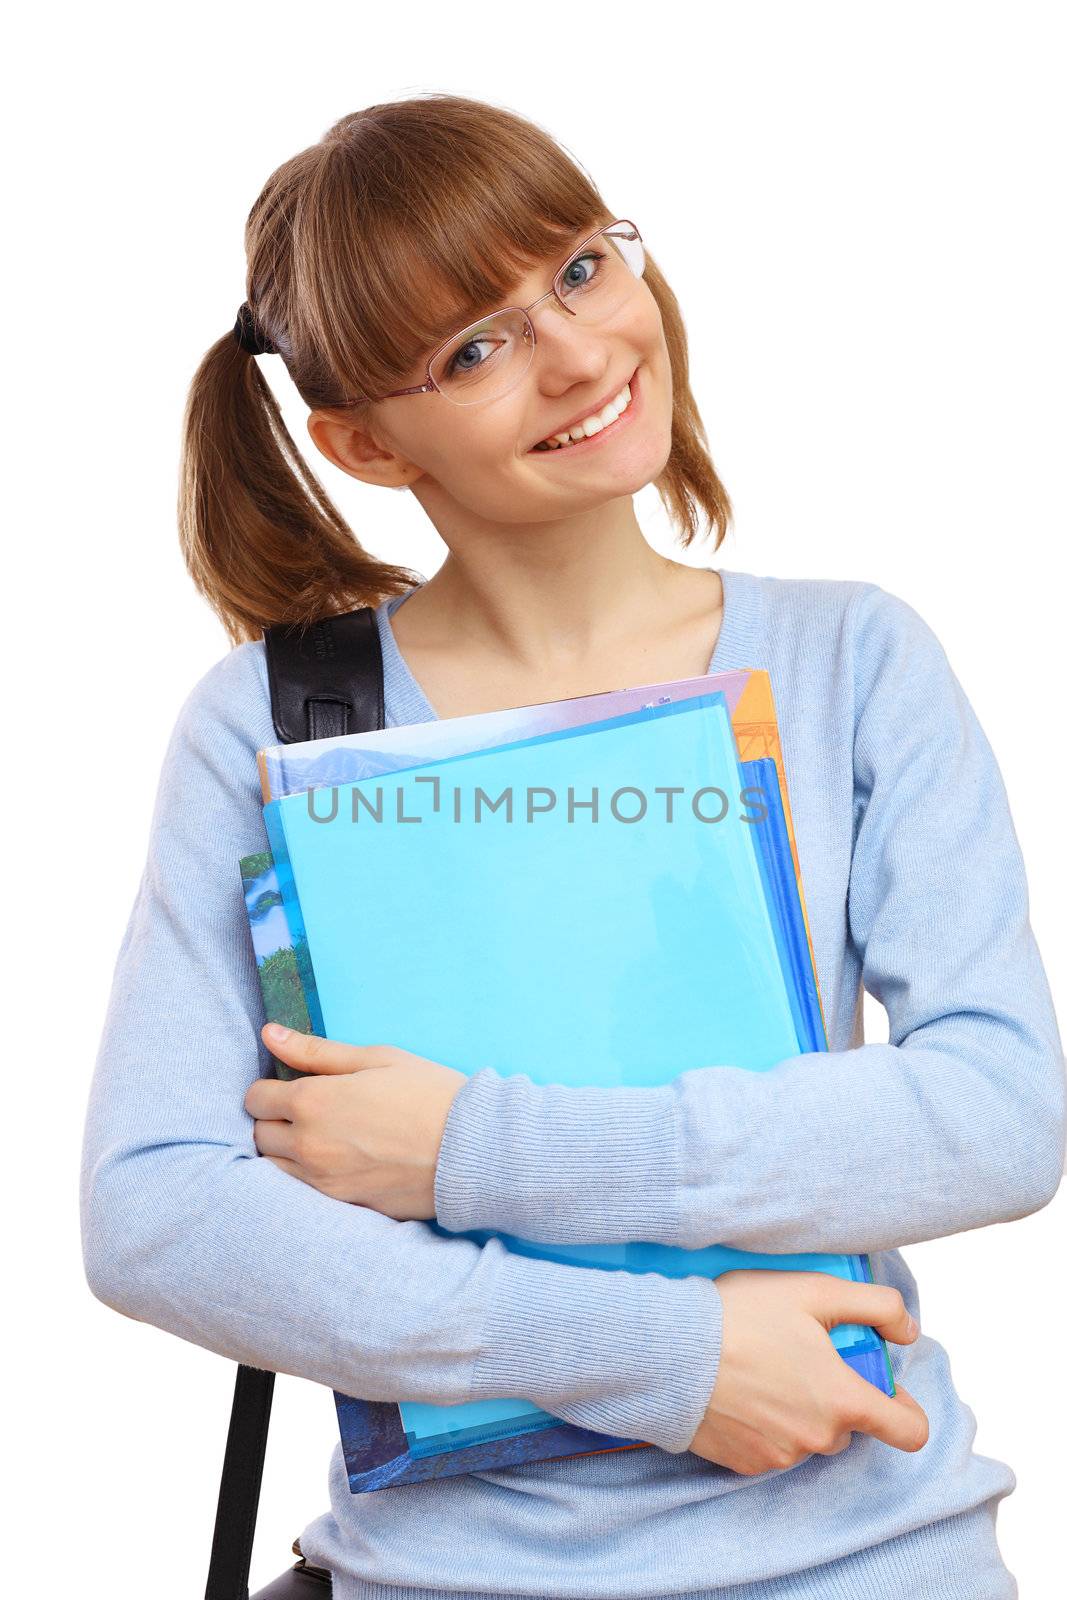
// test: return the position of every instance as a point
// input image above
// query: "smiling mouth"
(593, 426)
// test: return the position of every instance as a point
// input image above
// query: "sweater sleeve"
(185, 1226)
(956, 1123)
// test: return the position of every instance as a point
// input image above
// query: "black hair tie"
(248, 335)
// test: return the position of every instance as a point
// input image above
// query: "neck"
(554, 594)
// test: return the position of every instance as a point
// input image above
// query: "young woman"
(465, 318)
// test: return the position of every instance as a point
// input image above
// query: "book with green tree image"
(282, 961)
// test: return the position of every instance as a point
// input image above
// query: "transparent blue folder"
(620, 947)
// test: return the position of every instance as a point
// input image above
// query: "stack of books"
(603, 890)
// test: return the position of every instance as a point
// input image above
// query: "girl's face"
(479, 462)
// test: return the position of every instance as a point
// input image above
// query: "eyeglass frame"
(430, 387)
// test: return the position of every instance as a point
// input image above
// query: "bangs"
(413, 238)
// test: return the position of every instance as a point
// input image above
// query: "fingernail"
(913, 1326)
(276, 1032)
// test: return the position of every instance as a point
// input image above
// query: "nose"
(567, 350)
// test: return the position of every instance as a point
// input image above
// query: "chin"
(649, 461)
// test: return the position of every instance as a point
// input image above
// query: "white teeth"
(589, 425)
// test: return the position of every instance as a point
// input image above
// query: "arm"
(186, 1227)
(958, 1122)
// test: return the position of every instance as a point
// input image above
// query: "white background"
(861, 210)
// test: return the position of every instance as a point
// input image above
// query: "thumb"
(310, 1053)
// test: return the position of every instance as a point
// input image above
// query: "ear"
(347, 439)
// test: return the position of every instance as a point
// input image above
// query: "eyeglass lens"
(488, 358)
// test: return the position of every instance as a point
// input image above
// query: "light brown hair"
(406, 219)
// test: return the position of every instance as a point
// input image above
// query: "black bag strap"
(325, 680)
(242, 1475)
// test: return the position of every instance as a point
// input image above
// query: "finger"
(900, 1421)
(275, 1139)
(270, 1098)
(836, 1300)
(310, 1053)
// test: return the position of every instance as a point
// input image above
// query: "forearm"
(223, 1249)
(848, 1151)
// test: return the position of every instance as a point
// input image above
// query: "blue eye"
(579, 283)
(488, 345)
(457, 363)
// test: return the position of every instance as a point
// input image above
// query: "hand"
(783, 1391)
(366, 1125)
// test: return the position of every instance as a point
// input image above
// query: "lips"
(592, 411)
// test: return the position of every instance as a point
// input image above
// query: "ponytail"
(261, 538)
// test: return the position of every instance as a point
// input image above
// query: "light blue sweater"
(915, 890)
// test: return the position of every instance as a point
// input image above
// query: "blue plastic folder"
(608, 904)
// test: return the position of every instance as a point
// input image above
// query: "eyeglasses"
(485, 360)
